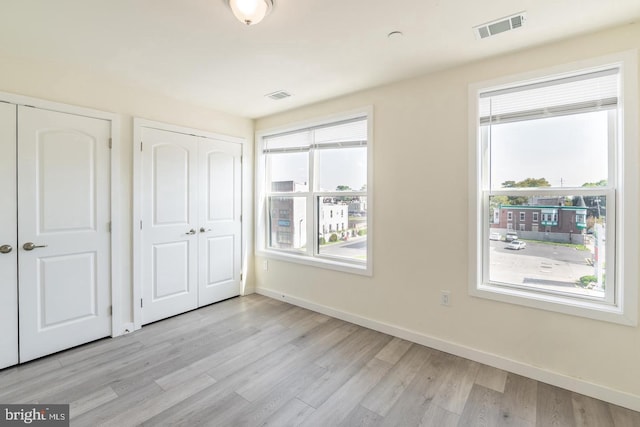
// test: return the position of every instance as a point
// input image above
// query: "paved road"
(547, 250)
(355, 247)
(541, 265)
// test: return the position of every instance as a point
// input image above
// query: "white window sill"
(320, 262)
(558, 303)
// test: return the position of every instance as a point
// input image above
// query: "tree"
(601, 183)
(528, 183)
(343, 188)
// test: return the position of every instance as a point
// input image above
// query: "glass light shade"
(250, 12)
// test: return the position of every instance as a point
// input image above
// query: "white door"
(8, 238)
(170, 222)
(219, 257)
(191, 245)
(63, 230)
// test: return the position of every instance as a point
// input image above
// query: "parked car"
(511, 235)
(495, 236)
(516, 244)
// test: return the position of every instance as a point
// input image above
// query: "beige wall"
(88, 88)
(420, 164)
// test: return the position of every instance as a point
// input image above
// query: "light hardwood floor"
(255, 361)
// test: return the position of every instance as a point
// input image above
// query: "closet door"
(63, 230)
(170, 224)
(8, 238)
(220, 172)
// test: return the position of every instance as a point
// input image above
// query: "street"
(355, 247)
(541, 265)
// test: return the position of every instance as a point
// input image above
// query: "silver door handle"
(5, 249)
(202, 230)
(192, 231)
(29, 246)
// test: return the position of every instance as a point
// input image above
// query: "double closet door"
(54, 231)
(191, 222)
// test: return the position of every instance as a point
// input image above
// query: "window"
(509, 216)
(556, 143)
(319, 174)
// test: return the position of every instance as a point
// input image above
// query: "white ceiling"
(196, 51)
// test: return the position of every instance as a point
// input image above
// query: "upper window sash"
(343, 133)
(571, 94)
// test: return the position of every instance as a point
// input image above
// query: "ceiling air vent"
(280, 94)
(500, 25)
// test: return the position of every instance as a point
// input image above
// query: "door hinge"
(110, 142)
(241, 277)
(109, 226)
(141, 305)
(140, 145)
(240, 217)
(140, 224)
(110, 310)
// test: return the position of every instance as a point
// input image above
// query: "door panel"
(220, 259)
(64, 186)
(171, 168)
(67, 289)
(220, 180)
(170, 275)
(220, 197)
(62, 210)
(8, 236)
(169, 174)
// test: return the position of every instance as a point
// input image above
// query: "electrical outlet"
(445, 298)
(265, 265)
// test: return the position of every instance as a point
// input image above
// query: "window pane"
(562, 247)
(567, 151)
(342, 227)
(343, 169)
(288, 172)
(287, 223)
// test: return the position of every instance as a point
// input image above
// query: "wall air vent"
(280, 94)
(500, 25)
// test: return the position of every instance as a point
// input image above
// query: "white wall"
(420, 160)
(88, 88)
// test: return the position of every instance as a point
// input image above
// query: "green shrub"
(333, 237)
(585, 280)
(362, 232)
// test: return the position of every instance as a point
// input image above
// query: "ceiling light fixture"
(250, 12)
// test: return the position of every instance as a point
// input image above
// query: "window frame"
(311, 256)
(623, 307)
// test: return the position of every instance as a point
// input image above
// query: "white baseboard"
(554, 378)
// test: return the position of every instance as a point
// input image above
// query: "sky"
(567, 150)
(345, 166)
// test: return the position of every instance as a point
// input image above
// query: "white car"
(511, 235)
(495, 236)
(516, 245)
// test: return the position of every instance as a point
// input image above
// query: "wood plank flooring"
(254, 361)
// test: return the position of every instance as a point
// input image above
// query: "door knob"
(5, 249)
(202, 230)
(192, 231)
(29, 246)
